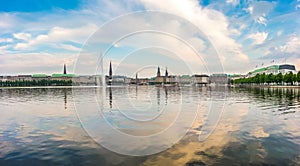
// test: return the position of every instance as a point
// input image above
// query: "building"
(24, 78)
(39, 77)
(139, 81)
(159, 80)
(202, 79)
(110, 77)
(236, 76)
(62, 77)
(286, 68)
(65, 69)
(219, 79)
(171, 80)
(117, 80)
(274, 69)
(164, 80)
(184, 80)
(83, 80)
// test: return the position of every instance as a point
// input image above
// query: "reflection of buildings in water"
(158, 96)
(166, 95)
(136, 92)
(65, 97)
(286, 99)
(110, 97)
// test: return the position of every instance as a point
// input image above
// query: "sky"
(185, 36)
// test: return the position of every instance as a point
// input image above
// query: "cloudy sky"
(186, 36)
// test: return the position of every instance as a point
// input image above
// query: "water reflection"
(166, 95)
(110, 97)
(158, 96)
(65, 98)
(285, 99)
(259, 126)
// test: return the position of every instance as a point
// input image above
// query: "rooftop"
(63, 75)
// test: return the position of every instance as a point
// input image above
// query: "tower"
(167, 74)
(110, 70)
(158, 72)
(136, 79)
(110, 74)
(65, 69)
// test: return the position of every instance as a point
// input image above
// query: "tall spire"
(110, 70)
(65, 69)
(167, 74)
(158, 72)
(110, 74)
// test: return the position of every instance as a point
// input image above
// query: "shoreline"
(267, 86)
(95, 86)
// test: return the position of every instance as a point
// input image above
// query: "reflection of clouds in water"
(259, 133)
(230, 122)
(252, 129)
(245, 132)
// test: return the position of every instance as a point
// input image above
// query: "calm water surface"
(40, 126)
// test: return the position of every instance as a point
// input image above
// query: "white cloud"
(258, 37)
(22, 36)
(20, 46)
(279, 33)
(259, 10)
(211, 22)
(59, 34)
(35, 62)
(261, 20)
(69, 47)
(3, 48)
(291, 46)
(233, 2)
(250, 9)
(6, 40)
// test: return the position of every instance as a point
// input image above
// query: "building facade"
(219, 79)
(274, 69)
(201, 79)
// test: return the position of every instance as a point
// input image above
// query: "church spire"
(110, 70)
(158, 72)
(110, 74)
(167, 74)
(65, 69)
(136, 79)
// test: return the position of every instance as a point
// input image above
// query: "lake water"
(203, 125)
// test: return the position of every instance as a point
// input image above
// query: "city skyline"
(44, 36)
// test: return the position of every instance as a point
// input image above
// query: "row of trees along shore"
(36, 83)
(277, 79)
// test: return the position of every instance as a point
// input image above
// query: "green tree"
(279, 78)
(256, 79)
(294, 77)
(288, 78)
(269, 78)
(262, 78)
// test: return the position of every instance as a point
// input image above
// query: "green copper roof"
(219, 75)
(63, 75)
(276, 67)
(259, 70)
(185, 76)
(39, 75)
(273, 67)
(234, 75)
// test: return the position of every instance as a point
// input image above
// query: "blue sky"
(39, 36)
(38, 5)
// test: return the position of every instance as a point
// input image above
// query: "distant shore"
(268, 86)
